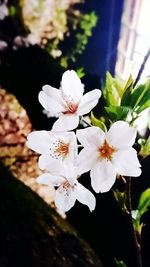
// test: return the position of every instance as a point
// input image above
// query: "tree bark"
(33, 234)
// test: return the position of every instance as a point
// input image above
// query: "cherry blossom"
(3, 45)
(20, 41)
(3, 10)
(108, 154)
(68, 103)
(44, 19)
(68, 189)
(52, 146)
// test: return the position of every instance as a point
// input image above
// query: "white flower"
(46, 19)
(53, 146)
(108, 154)
(68, 188)
(3, 45)
(37, 15)
(68, 102)
(20, 41)
(3, 10)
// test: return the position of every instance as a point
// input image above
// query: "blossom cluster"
(105, 154)
(45, 19)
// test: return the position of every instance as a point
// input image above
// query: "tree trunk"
(33, 234)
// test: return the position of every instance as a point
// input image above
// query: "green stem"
(133, 120)
(133, 233)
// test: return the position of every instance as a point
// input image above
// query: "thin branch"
(142, 68)
(133, 233)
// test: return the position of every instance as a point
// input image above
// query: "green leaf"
(97, 122)
(114, 89)
(140, 97)
(145, 148)
(143, 205)
(136, 95)
(120, 263)
(81, 72)
(12, 10)
(127, 92)
(110, 92)
(144, 202)
(118, 113)
(145, 105)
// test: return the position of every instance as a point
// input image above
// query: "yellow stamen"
(62, 149)
(71, 108)
(106, 151)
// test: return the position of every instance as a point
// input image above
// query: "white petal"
(66, 123)
(54, 166)
(64, 199)
(48, 179)
(72, 86)
(126, 162)
(84, 196)
(39, 141)
(43, 162)
(85, 160)
(51, 99)
(88, 102)
(71, 171)
(103, 176)
(121, 134)
(91, 137)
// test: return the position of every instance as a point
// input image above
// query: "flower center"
(71, 108)
(106, 151)
(62, 149)
(66, 185)
(59, 149)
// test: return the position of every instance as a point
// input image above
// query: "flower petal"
(48, 179)
(54, 166)
(66, 123)
(71, 85)
(51, 99)
(91, 137)
(121, 134)
(65, 199)
(85, 160)
(70, 171)
(126, 162)
(103, 176)
(88, 102)
(84, 196)
(39, 141)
